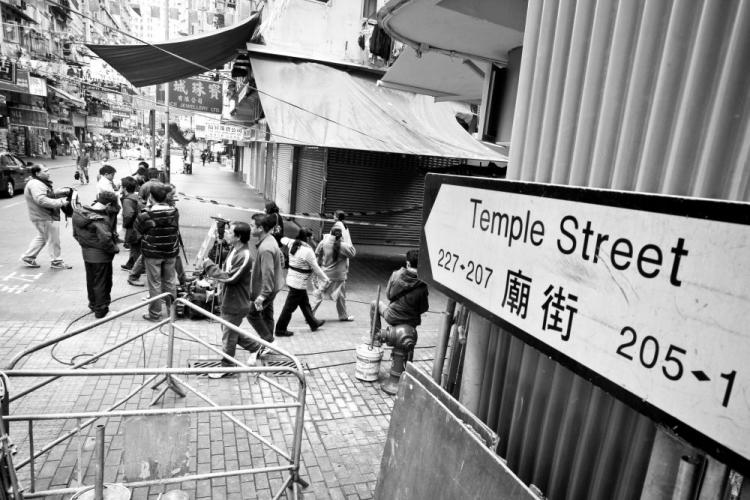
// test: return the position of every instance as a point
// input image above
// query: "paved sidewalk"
(346, 420)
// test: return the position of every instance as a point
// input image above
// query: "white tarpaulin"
(313, 104)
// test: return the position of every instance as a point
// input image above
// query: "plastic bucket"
(368, 362)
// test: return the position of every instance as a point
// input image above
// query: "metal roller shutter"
(310, 177)
(285, 154)
(360, 181)
(260, 168)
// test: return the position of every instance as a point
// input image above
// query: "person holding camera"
(44, 204)
(234, 278)
(92, 228)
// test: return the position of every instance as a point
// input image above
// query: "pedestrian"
(82, 164)
(204, 155)
(302, 264)
(333, 254)
(131, 207)
(267, 277)
(278, 228)
(141, 172)
(234, 277)
(92, 230)
(53, 145)
(160, 231)
(153, 178)
(44, 204)
(407, 296)
(106, 183)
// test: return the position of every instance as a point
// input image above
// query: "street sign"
(647, 295)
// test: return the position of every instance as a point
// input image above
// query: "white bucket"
(368, 362)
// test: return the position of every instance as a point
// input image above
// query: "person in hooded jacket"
(131, 207)
(333, 253)
(93, 231)
(407, 296)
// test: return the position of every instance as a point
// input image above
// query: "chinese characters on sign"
(196, 94)
(650, 293)
(217, 132)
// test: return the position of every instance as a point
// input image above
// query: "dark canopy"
(145, 65)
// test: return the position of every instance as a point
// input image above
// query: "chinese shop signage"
(647, 295)
(28, 117)
(196, 94)
(215, 131)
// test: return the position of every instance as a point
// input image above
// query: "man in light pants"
(44, 204)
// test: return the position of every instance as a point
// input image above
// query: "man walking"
(44, 204)
(267, 277)
(82, 164)
(92, 230)
(52, 146)
(407, 295)
(234, 278)
(160, 232)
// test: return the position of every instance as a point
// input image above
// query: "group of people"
(250, 276)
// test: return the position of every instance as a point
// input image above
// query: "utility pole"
(165, 148)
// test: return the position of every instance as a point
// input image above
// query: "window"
(369, 8)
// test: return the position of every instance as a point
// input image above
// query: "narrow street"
(346, 419)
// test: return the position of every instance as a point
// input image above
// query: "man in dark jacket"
(234, 277)
(407, 295)
(92, 230)
(131, 207)
(159, 226)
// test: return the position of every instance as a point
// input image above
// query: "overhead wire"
(207, 69)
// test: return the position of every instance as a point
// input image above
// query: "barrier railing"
(169, 377)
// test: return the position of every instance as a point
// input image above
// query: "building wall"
(320, 29)
(645, 96)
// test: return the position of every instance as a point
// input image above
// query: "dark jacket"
(159, 227)
(408, 296)
(131, 207)
(92, 230)
(235, 281)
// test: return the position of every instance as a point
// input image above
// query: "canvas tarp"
(313, 104)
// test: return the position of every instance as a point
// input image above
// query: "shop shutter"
(310, 177)
(285, 153)
(361, 181)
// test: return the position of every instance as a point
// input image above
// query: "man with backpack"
(407, 295)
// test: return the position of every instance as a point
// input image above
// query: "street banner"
(646, 295)
(215, 131)
(196, 94)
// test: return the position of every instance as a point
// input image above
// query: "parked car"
(13, 173)
(136, 153)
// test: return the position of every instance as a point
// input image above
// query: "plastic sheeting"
(145, 65)
(316, 105)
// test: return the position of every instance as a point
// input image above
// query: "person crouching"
(92, 228)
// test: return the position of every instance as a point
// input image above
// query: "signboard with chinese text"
(215, 131)
(28, 117)
(7, 71)
(196, 94)
(647, 295)
(37, 86)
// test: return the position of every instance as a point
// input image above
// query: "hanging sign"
(215, 131)
(647, 295)
(196, 94)
(7, 71)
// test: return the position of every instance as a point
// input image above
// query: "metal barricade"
(169, 376)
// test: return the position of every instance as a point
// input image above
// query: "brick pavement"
(346, 420)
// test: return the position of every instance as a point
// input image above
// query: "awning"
(68, 97)
(436, 74)
(12, 87)
(478, 29)
(316, 105)
(147, 65)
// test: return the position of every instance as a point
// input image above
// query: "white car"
(136, 153)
